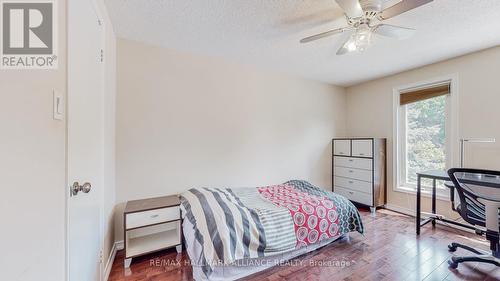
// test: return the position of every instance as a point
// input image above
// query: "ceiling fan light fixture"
(363, 37)
(351, 47)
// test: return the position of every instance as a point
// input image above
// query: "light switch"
(58, 105)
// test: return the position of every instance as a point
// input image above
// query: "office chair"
(479, 195)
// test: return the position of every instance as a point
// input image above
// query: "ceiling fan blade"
(401, 7)
(351, 8)
(348, 46)
(389, 3)
(322, 35)
(393, 31)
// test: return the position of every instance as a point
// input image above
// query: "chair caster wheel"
(452, 264)
(452, 248)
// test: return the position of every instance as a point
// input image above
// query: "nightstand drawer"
(139, 219)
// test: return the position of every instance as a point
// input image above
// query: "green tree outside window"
(426, 137)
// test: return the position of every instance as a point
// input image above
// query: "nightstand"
(151, 225)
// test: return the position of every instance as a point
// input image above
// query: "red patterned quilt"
(315, 217)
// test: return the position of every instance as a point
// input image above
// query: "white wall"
(32, 171)
(188, 121)
(370, 112)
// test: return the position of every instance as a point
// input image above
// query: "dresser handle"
(351, 182)
(350, 160)
(361, 154)
(350, 171)
(154, 216)
(350, 192)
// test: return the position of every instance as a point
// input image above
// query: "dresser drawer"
(357, 174)
(357, 163)
(353, 195)
(342, 147)
(138, 219)
(353, 184)
(362, 148)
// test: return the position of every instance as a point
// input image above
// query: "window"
(424, 134)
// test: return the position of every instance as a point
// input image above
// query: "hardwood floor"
(389, 250)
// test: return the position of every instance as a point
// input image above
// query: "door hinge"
(101, 257)
(102, 55)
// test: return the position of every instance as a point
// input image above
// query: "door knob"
(76, 187)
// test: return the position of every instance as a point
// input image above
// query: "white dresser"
(359, 167)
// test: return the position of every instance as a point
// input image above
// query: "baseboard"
(412, 213)
(120, 245)
(399, 209)
(109, 264)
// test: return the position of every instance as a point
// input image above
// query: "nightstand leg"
(178, 248)
(372, 210)
(127, 262)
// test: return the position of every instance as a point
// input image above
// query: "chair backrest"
(472, 184)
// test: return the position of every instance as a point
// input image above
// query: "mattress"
(233, 232)
(246, 267)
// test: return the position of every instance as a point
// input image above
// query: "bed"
(230, 233)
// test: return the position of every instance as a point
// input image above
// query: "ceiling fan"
(364, 19)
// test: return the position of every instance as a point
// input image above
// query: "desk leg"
(434, 201)
(418, 205)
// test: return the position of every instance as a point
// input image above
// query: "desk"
(434, 175)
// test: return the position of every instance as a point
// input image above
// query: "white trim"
(111, 260)
(402, 149)
(453, 141)
(426, 192)
(400, 209)
(120, 245)
(103, 220)
(412, 213)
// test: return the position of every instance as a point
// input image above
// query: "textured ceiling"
(267, 33)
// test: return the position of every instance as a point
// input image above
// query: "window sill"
(425, 192)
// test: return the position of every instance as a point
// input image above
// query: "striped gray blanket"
(232, 224)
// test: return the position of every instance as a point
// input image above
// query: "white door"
(85, 140)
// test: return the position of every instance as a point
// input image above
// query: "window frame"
(399, 128)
